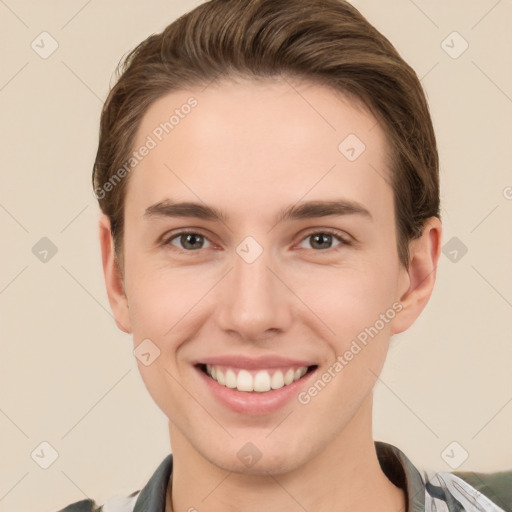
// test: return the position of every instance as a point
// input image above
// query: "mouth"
(262, 380)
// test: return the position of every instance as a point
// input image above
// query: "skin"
(251, 149)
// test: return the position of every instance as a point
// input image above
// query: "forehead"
(270, 141)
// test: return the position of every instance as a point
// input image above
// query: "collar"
(402, 472)
(395, 464)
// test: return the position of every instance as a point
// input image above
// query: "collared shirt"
(426, 490)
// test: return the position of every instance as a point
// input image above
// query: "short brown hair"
(324, 41)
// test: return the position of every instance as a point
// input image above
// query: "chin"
(256, 458)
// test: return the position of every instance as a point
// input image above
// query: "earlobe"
(419, 278)
(113, 277)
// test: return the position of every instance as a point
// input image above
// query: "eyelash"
(343, 242)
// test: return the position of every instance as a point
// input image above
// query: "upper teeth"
(261, 381)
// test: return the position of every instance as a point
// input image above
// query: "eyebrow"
(304, 210)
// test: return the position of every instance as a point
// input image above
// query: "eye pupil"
(191, 237)
(322, 239)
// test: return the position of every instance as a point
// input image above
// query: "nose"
(254, 301)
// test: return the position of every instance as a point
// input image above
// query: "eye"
(188, 240)
(323, 240)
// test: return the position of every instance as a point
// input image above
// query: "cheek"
(162, 384)
(158, 296)
(168, 307)
(357, 308)
(154, 309)
(158, 305)
(347, 299)
(356, 305)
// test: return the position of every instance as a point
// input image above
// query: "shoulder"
(81, 506)
(496, 486)
(114, 504)
(149, 497)
(474, 490)
(430, 490)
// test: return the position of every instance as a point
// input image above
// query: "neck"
(345, 476)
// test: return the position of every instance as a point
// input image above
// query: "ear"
(113, 277)
(417, 282)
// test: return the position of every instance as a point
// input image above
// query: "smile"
(255, 380)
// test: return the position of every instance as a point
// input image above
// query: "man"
(268, 177)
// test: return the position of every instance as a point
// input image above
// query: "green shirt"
(426, 491)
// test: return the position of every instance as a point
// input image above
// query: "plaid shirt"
(426, 491)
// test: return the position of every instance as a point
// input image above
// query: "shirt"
(426, 490)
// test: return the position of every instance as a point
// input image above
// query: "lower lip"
(255, 403)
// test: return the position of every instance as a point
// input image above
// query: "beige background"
(68, 376)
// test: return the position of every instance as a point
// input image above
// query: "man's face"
(254, 291)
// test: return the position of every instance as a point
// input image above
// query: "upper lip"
(252, 363)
